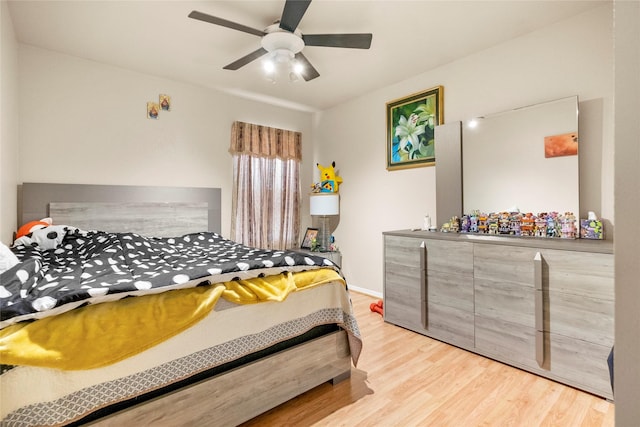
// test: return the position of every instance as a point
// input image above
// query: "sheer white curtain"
(265, 210)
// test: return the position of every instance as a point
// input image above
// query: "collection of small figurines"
(453, 226)
(546, 224)
(317, 247)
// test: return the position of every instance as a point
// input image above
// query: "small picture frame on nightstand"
(309, 235)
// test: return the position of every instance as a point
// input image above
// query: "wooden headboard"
(153, 211)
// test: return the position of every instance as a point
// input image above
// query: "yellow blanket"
(102, 334)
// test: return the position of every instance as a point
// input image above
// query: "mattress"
(45, 396)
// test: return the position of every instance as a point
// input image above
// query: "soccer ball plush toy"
(32, 226)
(42, 234)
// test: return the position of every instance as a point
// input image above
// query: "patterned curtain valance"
(264, 141)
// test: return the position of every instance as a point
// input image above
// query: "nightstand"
(333, 256)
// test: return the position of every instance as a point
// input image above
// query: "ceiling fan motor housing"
(278, 39)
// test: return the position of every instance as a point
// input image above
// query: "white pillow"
(7, 258)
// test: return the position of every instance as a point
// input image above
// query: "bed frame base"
(243, 393)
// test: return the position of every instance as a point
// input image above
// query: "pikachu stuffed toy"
(329, 181)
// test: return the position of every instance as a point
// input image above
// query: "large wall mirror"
(525, 158)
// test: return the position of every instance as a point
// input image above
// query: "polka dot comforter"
(88, 267)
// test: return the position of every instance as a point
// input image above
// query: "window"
(266, 186)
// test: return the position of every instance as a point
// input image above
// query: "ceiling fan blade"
(246, 59)
(223, 22)
(354, 41)
(292, 14)
(308, 73)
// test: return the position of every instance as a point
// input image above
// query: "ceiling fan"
(284, 41)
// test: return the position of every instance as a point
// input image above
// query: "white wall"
(8, 126)
(627, 198)
(85, 122)
(573, 57)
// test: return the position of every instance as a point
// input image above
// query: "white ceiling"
(157, 37)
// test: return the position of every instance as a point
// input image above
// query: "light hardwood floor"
(405, 379)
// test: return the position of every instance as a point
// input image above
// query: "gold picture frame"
(411, 123)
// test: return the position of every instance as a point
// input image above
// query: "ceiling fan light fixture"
(269, 66)
(297, 67)
(293, 77)
(280, 63)
(282, 56)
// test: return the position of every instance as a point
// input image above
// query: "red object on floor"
(377, 307)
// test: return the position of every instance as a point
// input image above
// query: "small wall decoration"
(561, 145)
(410, 129)
(309, 236)
(165, 102)
(153, 108)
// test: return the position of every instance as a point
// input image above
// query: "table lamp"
(325, 205)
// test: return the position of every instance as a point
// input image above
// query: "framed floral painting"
(411, 122)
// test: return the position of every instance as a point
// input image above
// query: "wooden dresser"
(543, 305)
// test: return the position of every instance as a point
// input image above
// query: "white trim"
(365, 291)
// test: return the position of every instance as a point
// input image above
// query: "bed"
(240, 330)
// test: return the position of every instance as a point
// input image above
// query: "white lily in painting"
(408, 131)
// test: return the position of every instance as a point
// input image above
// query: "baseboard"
(365, 291)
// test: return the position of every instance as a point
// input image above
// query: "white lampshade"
(325, 204)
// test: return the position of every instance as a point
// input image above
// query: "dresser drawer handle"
(539, 308)
(424, 299)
